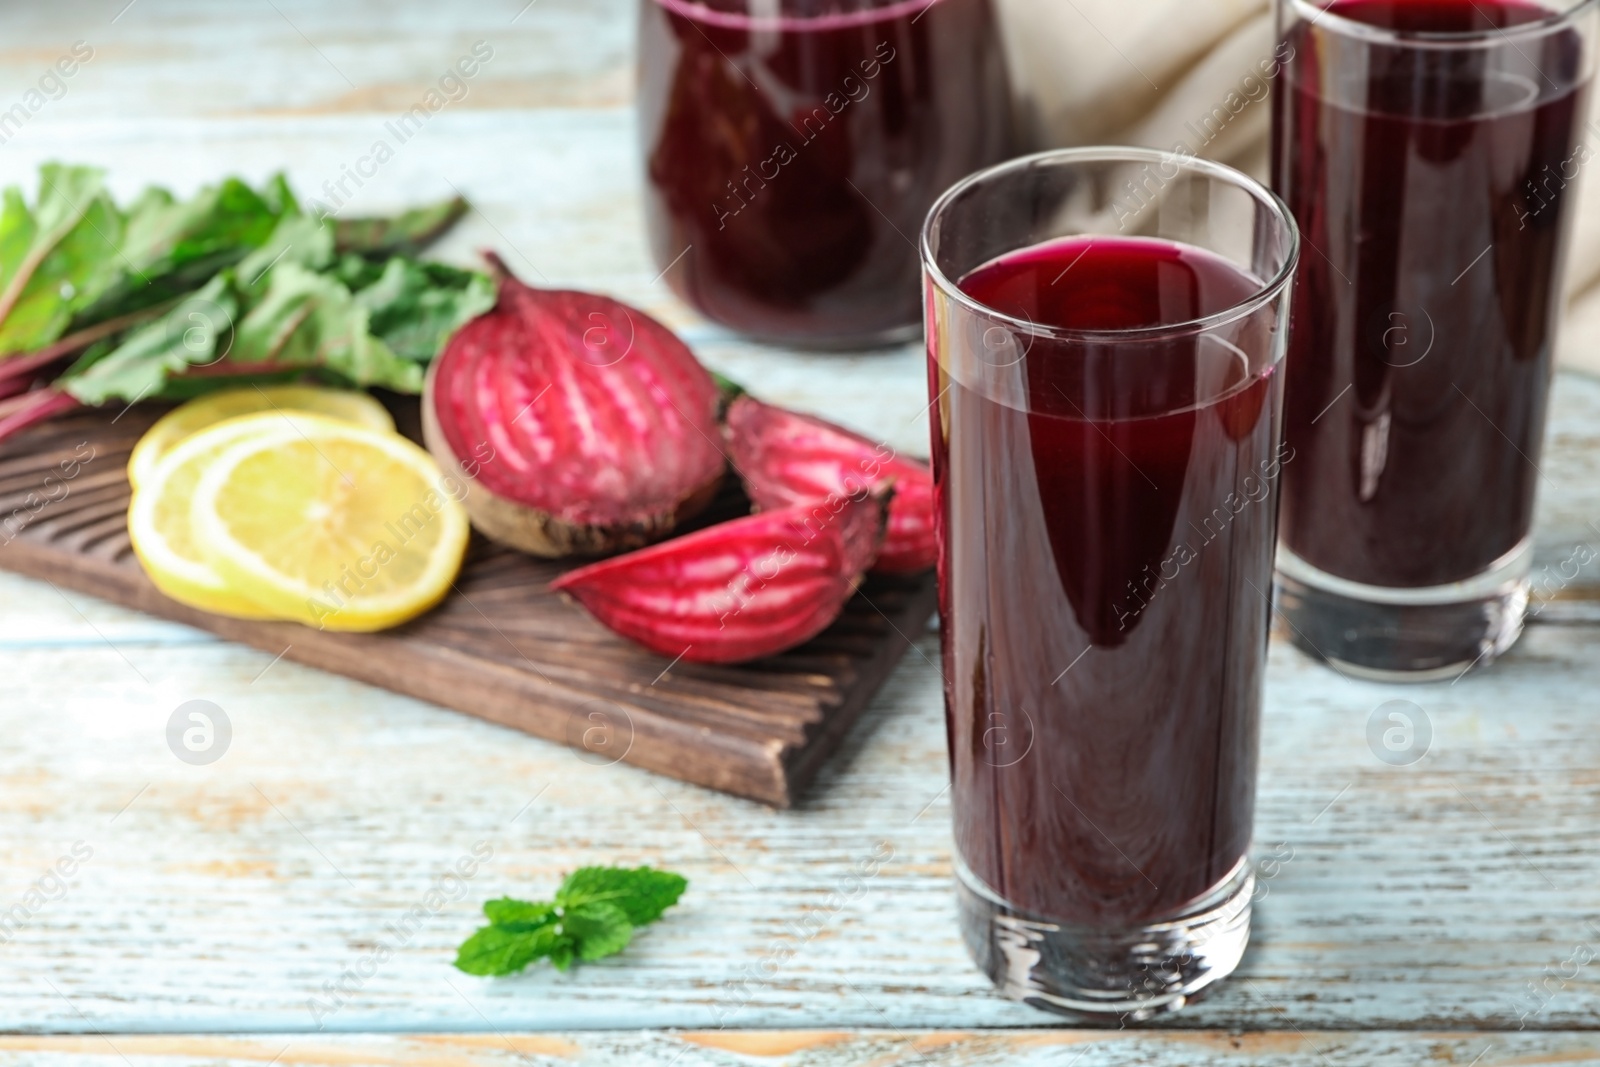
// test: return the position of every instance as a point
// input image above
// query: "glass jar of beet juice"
(792, 147)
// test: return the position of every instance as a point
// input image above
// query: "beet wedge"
(580, 425)
(740, 590)
(787, 458)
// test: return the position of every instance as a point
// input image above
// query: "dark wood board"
(502, 647)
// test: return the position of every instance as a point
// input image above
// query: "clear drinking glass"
(1427, 149)
(792, 148)
(1105, 334)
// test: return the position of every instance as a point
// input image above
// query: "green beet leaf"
(279, 198)
(296, 239)
(165, 233)
(170, 247)
(307, 319)
(407, 233)
(55, 258)
(194, 333)
(381, 334)
(286, 316)
(174, 297)
(414, 306)
(80, 265)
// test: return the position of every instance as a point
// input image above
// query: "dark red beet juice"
(1104, 581)
(1431, 184)
(791, 153)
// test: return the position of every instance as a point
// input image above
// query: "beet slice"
(741, 589)
(580, 425)
(787, 458)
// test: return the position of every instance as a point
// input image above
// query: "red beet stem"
(16, 386)
(227, 368)
(19, 365)
(39, 406)
(497, 266)
(23, 368)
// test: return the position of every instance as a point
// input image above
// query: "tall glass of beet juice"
(1106, 329)
(1428, 150)
(792, 149)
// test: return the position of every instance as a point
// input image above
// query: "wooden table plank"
(810, 1048)
(295, 57)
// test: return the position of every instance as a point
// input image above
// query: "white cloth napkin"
(1150, 72)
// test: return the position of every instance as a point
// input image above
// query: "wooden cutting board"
(501, 647)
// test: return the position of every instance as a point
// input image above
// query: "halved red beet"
(738, 590)
(581, 425)
(786, 458)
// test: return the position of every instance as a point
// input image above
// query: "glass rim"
(1268, 290)
(1319, 15)
(874, 11)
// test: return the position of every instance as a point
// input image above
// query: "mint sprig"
(593, 915)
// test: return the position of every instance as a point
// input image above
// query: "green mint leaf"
(508, 912)
(600, 929)
(593, 916)
(496, 950)
(561, 955)
(642, 893)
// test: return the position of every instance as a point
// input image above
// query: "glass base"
(1419, 634)
(1133, 972)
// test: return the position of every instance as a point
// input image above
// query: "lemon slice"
(158, 524)
(330, 524)
(347, 405)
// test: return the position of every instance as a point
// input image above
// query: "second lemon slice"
(330, 524)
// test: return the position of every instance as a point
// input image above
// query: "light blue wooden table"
(1440, 912)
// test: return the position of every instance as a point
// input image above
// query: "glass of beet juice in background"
(792, 148)
(1428, 150)
(1105, 334)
